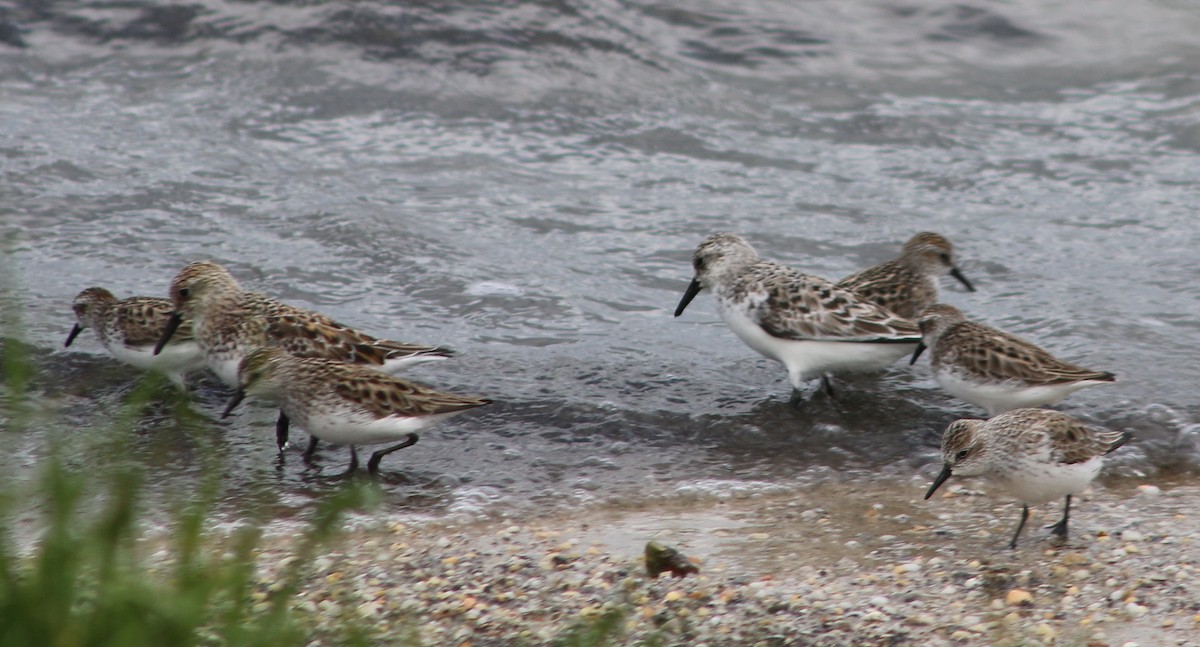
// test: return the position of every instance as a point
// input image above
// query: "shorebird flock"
(337, 383)
(818, 329)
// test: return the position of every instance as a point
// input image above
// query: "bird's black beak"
(172, 324)
(693, 289)
(917, 353)
(74, 333)
(237, 399)
(281, 431)
(937, 482)
(956, 273)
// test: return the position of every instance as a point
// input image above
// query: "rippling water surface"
(525, 181)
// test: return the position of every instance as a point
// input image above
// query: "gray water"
(525, 180)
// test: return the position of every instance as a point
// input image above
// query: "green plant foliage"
(91, 575)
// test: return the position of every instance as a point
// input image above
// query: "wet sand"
(849, 563)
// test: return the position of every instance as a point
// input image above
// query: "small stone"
(1132, 535)
(1149, 490)
(1046, 631)
(1018, 597)
(1135, 610)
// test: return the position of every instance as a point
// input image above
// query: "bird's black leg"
(1060, 529)
(1020, 526)
(311, 451)
(353, 461)
(281, 431)
(797, 398)
(827, 384)
(373, 464)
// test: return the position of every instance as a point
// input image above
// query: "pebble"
(1018, 597)
(1132, 535)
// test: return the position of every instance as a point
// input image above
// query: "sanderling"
(993, 369)
(812, 327)
(130, 328)
(1036, 455)
(345, 403)
(908, 284)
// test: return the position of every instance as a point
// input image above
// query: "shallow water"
(525, 181)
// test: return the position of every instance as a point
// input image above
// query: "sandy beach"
(847, 563)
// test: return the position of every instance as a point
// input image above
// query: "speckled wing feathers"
(143, 320)
(1068, 439)
(385, 397)
(1074, 442)
(889, 285)
(999, 356)
(795, 306)
(305, 333)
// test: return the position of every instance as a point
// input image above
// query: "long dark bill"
(937, 482)
(74, 333)
(693, 289)
(237, 399)
(917, 353)
(172, 325)
(962, 279)
(281, 431)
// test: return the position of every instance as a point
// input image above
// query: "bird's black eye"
(945, 258)
(184, 293)
(962, 454)
(698, 264)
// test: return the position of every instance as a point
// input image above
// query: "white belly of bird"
(226, 367)
(998, 397)
(806, 360)
(1036, 482)
(174, 358)
(360, 429)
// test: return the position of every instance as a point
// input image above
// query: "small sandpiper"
(344, 403)
(993, 369)
(909, 284)
(229, 323)
(812, 327)
(1036, 455)
(130, 328)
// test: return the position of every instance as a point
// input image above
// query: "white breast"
(1039, 482)
(998, 397)
(806, 360)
